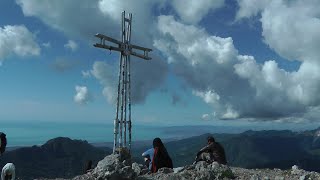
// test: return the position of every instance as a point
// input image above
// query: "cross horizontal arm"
(140, 48)
(106, 38)
(140, 56)
(108, 47)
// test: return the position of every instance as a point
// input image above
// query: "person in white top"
(148, 155)
(8, 172)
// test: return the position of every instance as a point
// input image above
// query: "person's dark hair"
(157, 143)
(210, 139)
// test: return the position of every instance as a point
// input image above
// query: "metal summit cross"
(122, 121)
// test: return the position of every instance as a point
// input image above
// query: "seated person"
(161, 157)
(213, 151)
(88, 167)
(148, 157)
(3, 142)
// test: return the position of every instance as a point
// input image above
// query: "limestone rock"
(113, 167)
(136, 168)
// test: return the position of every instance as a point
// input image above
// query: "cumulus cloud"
(107, 76)
(204, 61)
(146, 76)
(236, 85)
(82, 96)
(281, 22)
(17, 40)
(91, 17)
(103, 16)
(249, 8)
(84, 21)
(192, 11)
(293, 36)
(71, 45)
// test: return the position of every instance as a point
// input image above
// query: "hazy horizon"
(28, 134)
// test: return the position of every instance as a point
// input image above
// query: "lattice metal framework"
(122, 121)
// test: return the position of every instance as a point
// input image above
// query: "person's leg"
(147, 162)
(198, 158)
(206, 157)
(201, 157)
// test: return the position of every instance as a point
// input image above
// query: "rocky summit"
(113, 167)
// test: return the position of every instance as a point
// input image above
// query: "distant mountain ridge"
(252, 149)
(59, 157)
(63, 157)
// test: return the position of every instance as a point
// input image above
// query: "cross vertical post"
(122, 121)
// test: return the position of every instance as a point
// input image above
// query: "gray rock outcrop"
(115, 168)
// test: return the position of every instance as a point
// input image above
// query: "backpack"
(3, 141)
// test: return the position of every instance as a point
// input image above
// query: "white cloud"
(46, 45)
(94, 16)
(17, 40)
(292, 35)
(274, 86)
(86, 74)
(71, 45)
(281, 22)
(82, 18)
(143, 82)
(83, 95)
(236, 85)
(209, 97)
(106, 74)
(204, 61)
(103, 16)
(205, 117)
(111, 94)
(192, 11)
(230, 113)
(250, 8)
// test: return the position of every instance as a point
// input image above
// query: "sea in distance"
(37, 133)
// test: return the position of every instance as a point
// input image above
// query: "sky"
(215, 62)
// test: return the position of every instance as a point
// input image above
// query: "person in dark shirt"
(213, 151)
(87, 167)
(161, 157)
(3, 143)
